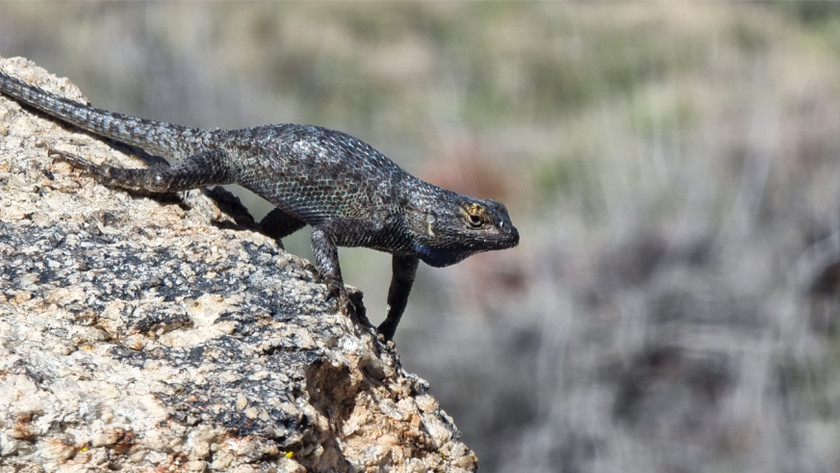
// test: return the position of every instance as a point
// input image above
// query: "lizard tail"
(153, 136)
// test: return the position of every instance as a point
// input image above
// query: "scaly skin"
(348, 192)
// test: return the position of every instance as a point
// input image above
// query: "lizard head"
(460, 227)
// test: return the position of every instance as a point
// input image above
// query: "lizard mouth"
(506, 236)
(510, 235)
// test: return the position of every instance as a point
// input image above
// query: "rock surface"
(149, 333)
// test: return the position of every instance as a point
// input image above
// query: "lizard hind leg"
(278, 224)
(199, 170)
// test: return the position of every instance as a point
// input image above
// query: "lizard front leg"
(325, 253)
(404, 270)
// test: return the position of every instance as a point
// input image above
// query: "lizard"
(347, 191)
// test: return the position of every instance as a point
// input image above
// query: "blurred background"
(672, 168)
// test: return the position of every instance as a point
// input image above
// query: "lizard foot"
(338, 296)
(347, 302)
(74, 160)
(87, 168)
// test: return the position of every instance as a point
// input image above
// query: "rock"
(158, 333)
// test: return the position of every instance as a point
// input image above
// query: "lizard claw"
(338, 296)
(88, 168)
(71, 159)
(348, 303)
(335, 290)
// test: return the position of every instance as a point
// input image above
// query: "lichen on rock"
(142, 333)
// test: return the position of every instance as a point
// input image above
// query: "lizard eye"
(475, 216)
(475, 221)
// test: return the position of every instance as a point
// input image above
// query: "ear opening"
(429, 220)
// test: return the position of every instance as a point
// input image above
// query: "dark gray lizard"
(350, 193)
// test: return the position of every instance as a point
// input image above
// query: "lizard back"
(316, 173)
